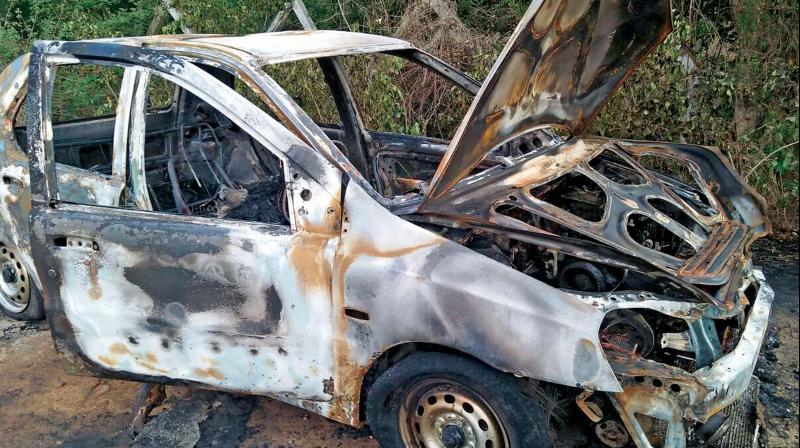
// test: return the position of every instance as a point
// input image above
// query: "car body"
(563, 260)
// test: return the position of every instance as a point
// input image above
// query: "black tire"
(521, 417)
(34, 309)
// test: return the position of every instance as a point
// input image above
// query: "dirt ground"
(41, 406)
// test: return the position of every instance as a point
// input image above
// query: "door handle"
(74, 242)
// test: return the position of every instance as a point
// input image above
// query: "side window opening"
(399, 96)
(83, 108)
(160, 95)
(204, 165)
(305, 82)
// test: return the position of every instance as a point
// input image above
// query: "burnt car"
(446, 293)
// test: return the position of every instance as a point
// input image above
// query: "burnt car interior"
(202, 164)
(197, 162)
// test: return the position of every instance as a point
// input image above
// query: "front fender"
(419, 287)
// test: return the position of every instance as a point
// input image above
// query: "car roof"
(284, 46)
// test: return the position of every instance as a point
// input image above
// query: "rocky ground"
(41, 406)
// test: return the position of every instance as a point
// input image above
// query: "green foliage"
(727, 76)
(84, 92)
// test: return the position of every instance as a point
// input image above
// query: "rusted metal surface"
(676, 396)
(301, 309)
(720, 240)
(560, 66)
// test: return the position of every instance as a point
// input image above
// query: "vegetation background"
(727, 76)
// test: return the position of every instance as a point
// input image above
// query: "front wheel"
(437, 400)
(19, 298)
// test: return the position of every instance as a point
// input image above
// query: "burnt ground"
(41, 406)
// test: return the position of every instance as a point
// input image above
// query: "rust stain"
(330, 222)
(210, 373)
(118, 348)
(109, 362)
(149, 362)
(94, 290)
(349, 373)
(111, 359)
(307, 257)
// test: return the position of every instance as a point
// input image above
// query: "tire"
(19, 297)
(452, 393)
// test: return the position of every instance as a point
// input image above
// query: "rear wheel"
(19, 298)
(437, 400)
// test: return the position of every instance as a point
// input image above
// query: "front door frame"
(314, 197)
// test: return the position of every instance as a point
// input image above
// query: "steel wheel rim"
(441, 413)
(15, 291)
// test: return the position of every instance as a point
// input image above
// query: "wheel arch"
(394, 354)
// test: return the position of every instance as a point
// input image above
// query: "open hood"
(563, 62)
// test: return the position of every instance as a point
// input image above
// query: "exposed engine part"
(716, 427)
(653, 235)
(551, 265)
(627, 332)
(575, 193)
(677, 341)
(589, 406)
(490, 247)
(585, 276)
(612, 433)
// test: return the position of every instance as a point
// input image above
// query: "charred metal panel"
(286, 46)
(715, 175)
(417, 286)
(560, 66)
(226, 304)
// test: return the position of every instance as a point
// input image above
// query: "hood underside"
(562, 63)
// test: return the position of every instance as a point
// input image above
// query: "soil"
(778, 364)
(41, 406)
